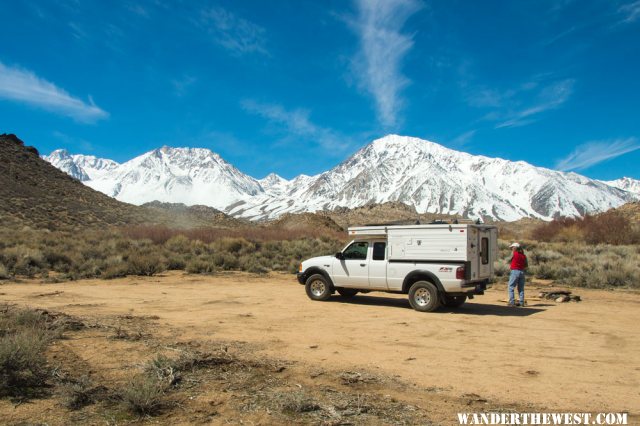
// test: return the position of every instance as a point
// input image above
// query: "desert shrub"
(115, 271)
(611, 227)
(77, 393)
(200, 266)
(607, 275)
(252, 264)
(111, 254)
(295, 402)
(143, 394)
(225, 261)
(233, 245)
(24, 260)
(175, 262)
(569, 234)
(4, 273)
(158, 234)
(179, 243)
(293, 266)
(199, 248)
(543, 256)
(500, 268)
(22, 360)
(89, 268)
(145, 264)
(58, 261)
(164, 369)
(544, 271)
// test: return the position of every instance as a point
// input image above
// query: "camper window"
(484, 247)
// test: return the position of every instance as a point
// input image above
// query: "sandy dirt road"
(582, 357)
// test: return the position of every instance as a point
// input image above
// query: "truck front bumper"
(301, 276)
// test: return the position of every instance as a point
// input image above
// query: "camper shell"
(435, 264)
(474, 245)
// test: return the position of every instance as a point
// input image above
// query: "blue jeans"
(516, 278)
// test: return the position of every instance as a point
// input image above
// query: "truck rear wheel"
(347, 292)
(423, 296)
(454, 301)
(317, 287)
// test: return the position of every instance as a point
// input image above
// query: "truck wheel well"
(315, 270)
(416, 276)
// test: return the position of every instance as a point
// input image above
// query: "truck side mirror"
(339, 255)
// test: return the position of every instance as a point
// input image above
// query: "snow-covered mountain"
(82, 167)
(628, 184)
(424, 174)
(175, 175)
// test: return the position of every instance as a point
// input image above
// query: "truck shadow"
(466, 309)
(495, 310)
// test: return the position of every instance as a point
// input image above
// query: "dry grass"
(160, 234)
(578, 264)
(63, 255)
(612, 227)
(143, 395)
(24, 337)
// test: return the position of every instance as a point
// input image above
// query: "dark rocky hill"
(34, 193)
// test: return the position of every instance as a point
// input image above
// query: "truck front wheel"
(423, 296)
(317, 287)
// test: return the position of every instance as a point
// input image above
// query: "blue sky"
(297, 86)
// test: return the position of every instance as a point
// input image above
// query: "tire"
(347, 292)
(454, 301)
(423, 296)
(317, 287)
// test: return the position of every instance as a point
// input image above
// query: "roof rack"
(396, 222)
(433, 222)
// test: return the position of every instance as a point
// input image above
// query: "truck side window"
(357, 250)
(379, 250)
(484, 247)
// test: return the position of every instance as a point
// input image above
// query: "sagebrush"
(149, 250)
(578, 264)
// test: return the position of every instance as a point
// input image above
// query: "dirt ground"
(483, 356)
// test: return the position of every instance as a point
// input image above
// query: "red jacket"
(519, 261)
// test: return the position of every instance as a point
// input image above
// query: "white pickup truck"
(436, 264)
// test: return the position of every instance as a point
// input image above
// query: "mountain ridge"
(433, 178)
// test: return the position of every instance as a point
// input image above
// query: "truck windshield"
(357, 250)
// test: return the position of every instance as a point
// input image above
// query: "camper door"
(485, 253)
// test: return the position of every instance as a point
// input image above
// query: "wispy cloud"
(592, 153)
(20, 85)
(523, 104)
(298, 123)
(550, 97)
(235, 34)
(462, 139)
(630, 11)
(488, 98)
(382, 49)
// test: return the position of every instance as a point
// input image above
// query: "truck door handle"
(363, 264)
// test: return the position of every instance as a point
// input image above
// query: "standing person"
(518, 265)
